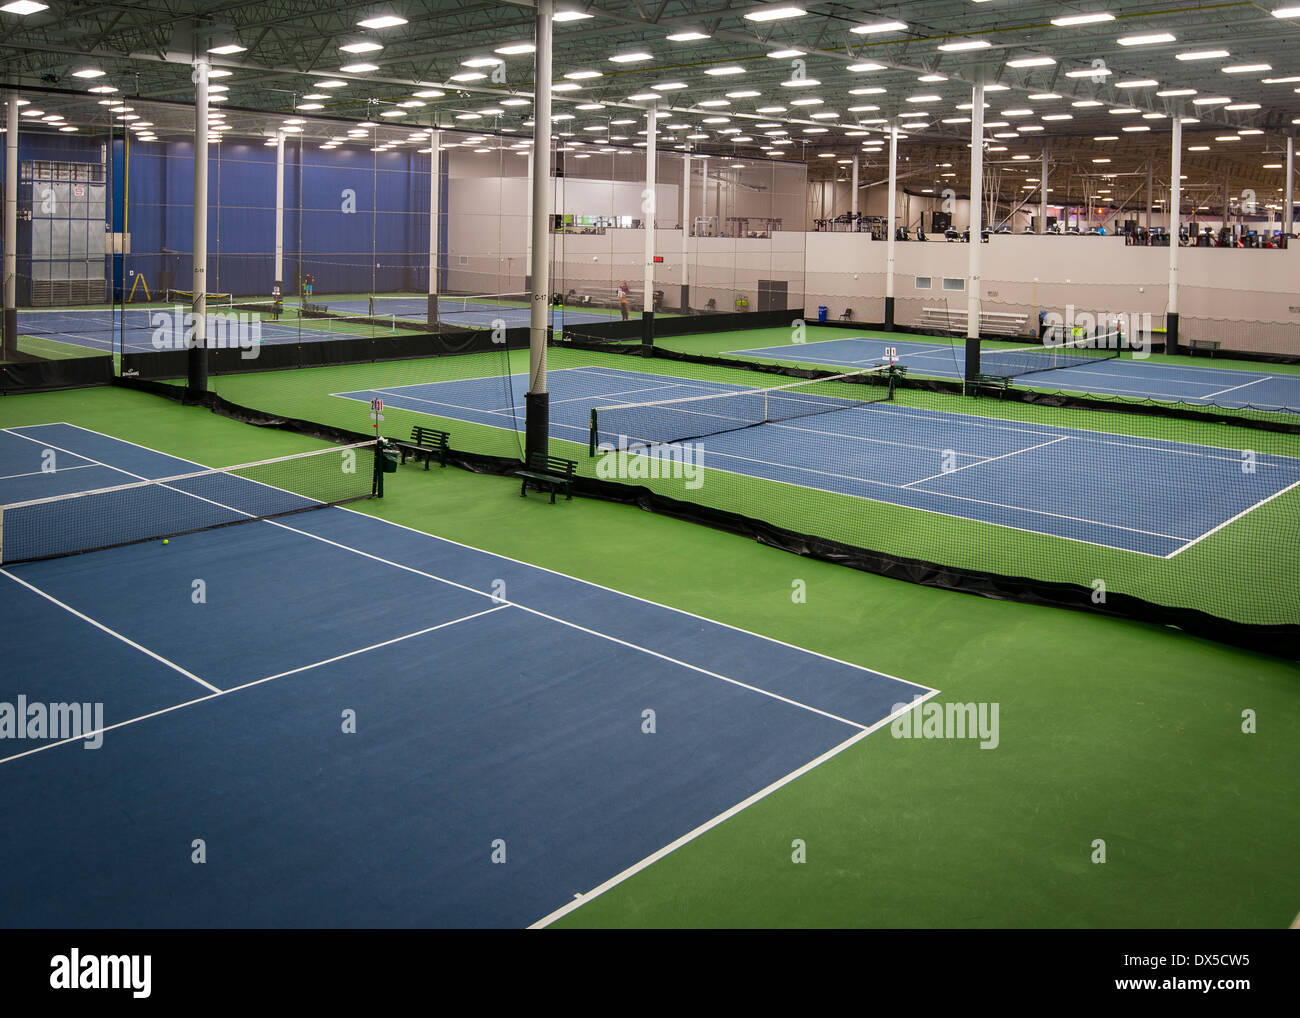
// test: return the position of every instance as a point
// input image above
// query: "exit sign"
(659, 258)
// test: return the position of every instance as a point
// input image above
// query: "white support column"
(435, 174)
(537, 400)
(704, 187)
(1290, 194)
(198, 367)
(892, 227)
(528, 230)
(855, 191)
(1042, 183)
(686, 231)
(1151, 184)
(648, 207)
(1175, 208)
(976, 228)
(10, 338)
(277, 290)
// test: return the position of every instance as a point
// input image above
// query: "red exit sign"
(659, 258)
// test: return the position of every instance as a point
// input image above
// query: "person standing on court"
(622, 301)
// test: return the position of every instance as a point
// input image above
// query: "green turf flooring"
(1109, 730)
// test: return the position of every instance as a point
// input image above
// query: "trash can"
(821, 312)
(391, 458)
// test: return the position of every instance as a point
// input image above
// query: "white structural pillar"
(1175, 209)
(1151, 195)
(976, 231)
(1042, 183)
(892, 227)
(198, 364)
(854, 205)
(10, 341)
(537, 400)
(704, 189)
(277, 285)
(648, 211)
(1288, 193)
(435, 172)
(686, 232)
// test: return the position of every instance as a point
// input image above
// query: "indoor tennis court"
(578, 466)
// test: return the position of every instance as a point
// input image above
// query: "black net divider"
(32, 375)
(1281, 640)
(147, 509)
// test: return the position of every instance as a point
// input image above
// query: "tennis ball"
(166, 541)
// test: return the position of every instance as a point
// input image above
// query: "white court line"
(111, 632)
(1243, 385)
(1233, 519)
(727, 814)
(991, 459)
(216, 692)
(48, 473)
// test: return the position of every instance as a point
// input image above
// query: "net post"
(647, 333)
(591, 442)
(377, 481)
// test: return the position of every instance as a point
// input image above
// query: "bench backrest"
(428, 436)
(544, 464)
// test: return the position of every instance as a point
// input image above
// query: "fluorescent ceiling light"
(1207, 101)
(1136, 130)
(1091, 72)
(859, 68)
(434, 93)
(1237, 107)
(687, 37)
(1170, 93)
(482, 62)
(627, 58)
(1204, 54)
(800, 83)
(358, 68)
(330, 84)
(640, 97)
(468, 76)
(515, 102)
(1059, 116)
(775, 13)
(1031, 62)
(1146, 40)
(570, 86)
(563, 16)
(748, 94)
(1081, 19)
(89, 72)
(878, 27)
(924, 98)
(102, 89)
(1086, 104)
(515, 49)
(1044, 96)
(1281, 81)
(1137, 83)
(358, 47)
(23, 7)
(930, 79)
(228, 49)
(1281, 12)
(1246, 68)
(669, 86)
(709, 103)
(866, 91)
(382, 21)
(785, 54)
(721, 72)
(959, 47)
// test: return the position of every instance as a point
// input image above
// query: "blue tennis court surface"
(498, 711)
(1144, 495)
(133, 331)
(1225, 387)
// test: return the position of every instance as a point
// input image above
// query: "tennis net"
(151, 509)
(214, 300)
(1074, 353)
(684, 419)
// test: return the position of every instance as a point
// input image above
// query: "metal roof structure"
(1097, 81)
